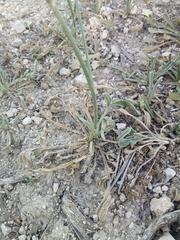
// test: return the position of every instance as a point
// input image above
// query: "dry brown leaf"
(138, 26)
(147, 119)
(103, 207)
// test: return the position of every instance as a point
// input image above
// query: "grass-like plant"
(21, 82)
(167, 27)
(101, 125)
(155, 72)
(130, 5)
(6, 130)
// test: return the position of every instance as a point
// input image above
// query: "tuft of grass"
(156, 71)
(18, 83)
(6, 130)
(166, 28)
(130, 4)
(104, 124)
(97, 6)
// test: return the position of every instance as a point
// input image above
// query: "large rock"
(166, 236)
(161, 205)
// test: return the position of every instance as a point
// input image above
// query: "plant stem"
(86, 69)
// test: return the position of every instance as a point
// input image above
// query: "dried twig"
(159, 223)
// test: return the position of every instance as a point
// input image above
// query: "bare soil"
(38, 199)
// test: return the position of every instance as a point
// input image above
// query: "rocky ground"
(49, 190)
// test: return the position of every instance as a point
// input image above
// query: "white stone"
(18, 26)
(115, 50)
(131, 225)
(106, 12)
(116, 221)
(166, 236)
(17, 42)
(95, 218)
(37, 120)
(166, 55)
(104, 34)
(122, 197)
(9, 113)
(170, 173)
(146, 12)
(34, 238)
(126, 30)
(164, 188)
(22, 237)
(15, 111)
(94, 23)
(25, 62)
(121, 126)
(5, 230)
(161, 205)
(55, 187)
(128, 214)
(22, 230)
(27, 121)
(157, 190)
(65, 72)
(80, 81)
(134, 10)
(95, 64)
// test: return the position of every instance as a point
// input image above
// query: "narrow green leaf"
(108, 99)
(174, 96)
(167, 19)
(88, 125)
(126, 103)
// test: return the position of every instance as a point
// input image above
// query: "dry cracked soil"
(51, 188)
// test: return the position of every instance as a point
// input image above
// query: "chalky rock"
(170, 173)
(161, 205)
(166, 236)
(37, 120)
(94, 23)
(17, 42)
(5, 230)
(27, 121)
(80, 81)
(106, 12)
(65, 72)
(17, 26)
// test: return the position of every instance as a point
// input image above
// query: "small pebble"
(37, 120)
(128, 214)
(34, 238)
(55, 187)
(5, 230)
(122, 197)
(94, 22)
(22, 237)
(27, 121)
(164, 188)
(9, 187)
(106, 12)
(131, 226)
(65, 72)
(86, 211)
(157, 190)
(22, 230)
(116, 221)
(170, 173)
(121, 126)
(95, 218)
(17, 42)
(80, 81)
(44, 86)
(9, 113)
